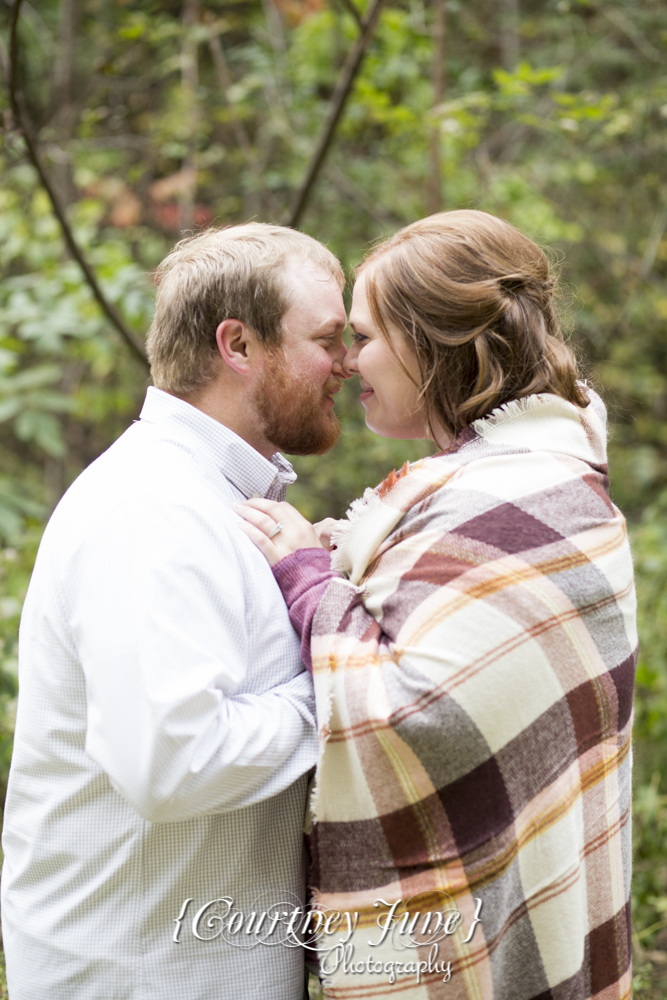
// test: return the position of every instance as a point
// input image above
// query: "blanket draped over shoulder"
(473, 654)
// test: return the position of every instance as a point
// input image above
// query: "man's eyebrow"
(331, 325)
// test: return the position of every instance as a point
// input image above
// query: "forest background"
(145, 119)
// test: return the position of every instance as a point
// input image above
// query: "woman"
(472, 639)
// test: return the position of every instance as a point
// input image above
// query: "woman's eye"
(358, 338)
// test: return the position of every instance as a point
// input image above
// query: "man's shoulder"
(144, 477)
(146, 460)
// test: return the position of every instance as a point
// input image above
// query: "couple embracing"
(455, 658)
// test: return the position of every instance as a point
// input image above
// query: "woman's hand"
(260, 520)
(324, 530)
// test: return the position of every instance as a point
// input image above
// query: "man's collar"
(239, 462)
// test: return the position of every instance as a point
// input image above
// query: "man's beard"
(291, 410)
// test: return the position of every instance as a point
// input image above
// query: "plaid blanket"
(473, 654)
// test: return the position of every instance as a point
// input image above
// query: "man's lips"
(331, 388)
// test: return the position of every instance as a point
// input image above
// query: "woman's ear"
(237, 345)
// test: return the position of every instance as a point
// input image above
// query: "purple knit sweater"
(303, 577)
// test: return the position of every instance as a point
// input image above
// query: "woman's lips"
(366, 395)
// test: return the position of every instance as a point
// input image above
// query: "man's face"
(294, 393)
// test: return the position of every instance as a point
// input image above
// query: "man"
(165, 725)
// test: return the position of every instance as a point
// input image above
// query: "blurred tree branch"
(354, 11)
(338, 101)
(22, 120)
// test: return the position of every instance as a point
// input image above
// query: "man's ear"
(237, 345)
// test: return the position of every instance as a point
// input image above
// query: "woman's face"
(389, 394)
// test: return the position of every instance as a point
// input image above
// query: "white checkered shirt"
(165, 727)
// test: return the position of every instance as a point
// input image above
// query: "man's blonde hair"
(232, 273)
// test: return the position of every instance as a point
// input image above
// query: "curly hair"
(474, 298)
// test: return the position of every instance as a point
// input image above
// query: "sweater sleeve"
(303, 577)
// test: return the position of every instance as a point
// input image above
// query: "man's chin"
(313, 440)
(297, 418)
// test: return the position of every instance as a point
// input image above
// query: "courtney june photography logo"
(400, 927)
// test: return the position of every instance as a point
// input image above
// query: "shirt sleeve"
(161, 622)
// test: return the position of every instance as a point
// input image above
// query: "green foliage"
(650, 800)
(16, 564)
(650, 550)
(650, 868)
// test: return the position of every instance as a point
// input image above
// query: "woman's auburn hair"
(473, 297)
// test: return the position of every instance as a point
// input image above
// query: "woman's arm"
(301, 565)
(303, 578)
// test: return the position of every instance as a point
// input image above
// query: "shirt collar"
(239, 462)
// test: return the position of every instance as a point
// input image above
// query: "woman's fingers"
(262, 541)
(261, 503)
(323, 530)
(257, 517)
(265, 516)
(258, 527)
(278, 511)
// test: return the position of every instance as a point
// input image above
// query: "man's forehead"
(314, 290)
(304, 271)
